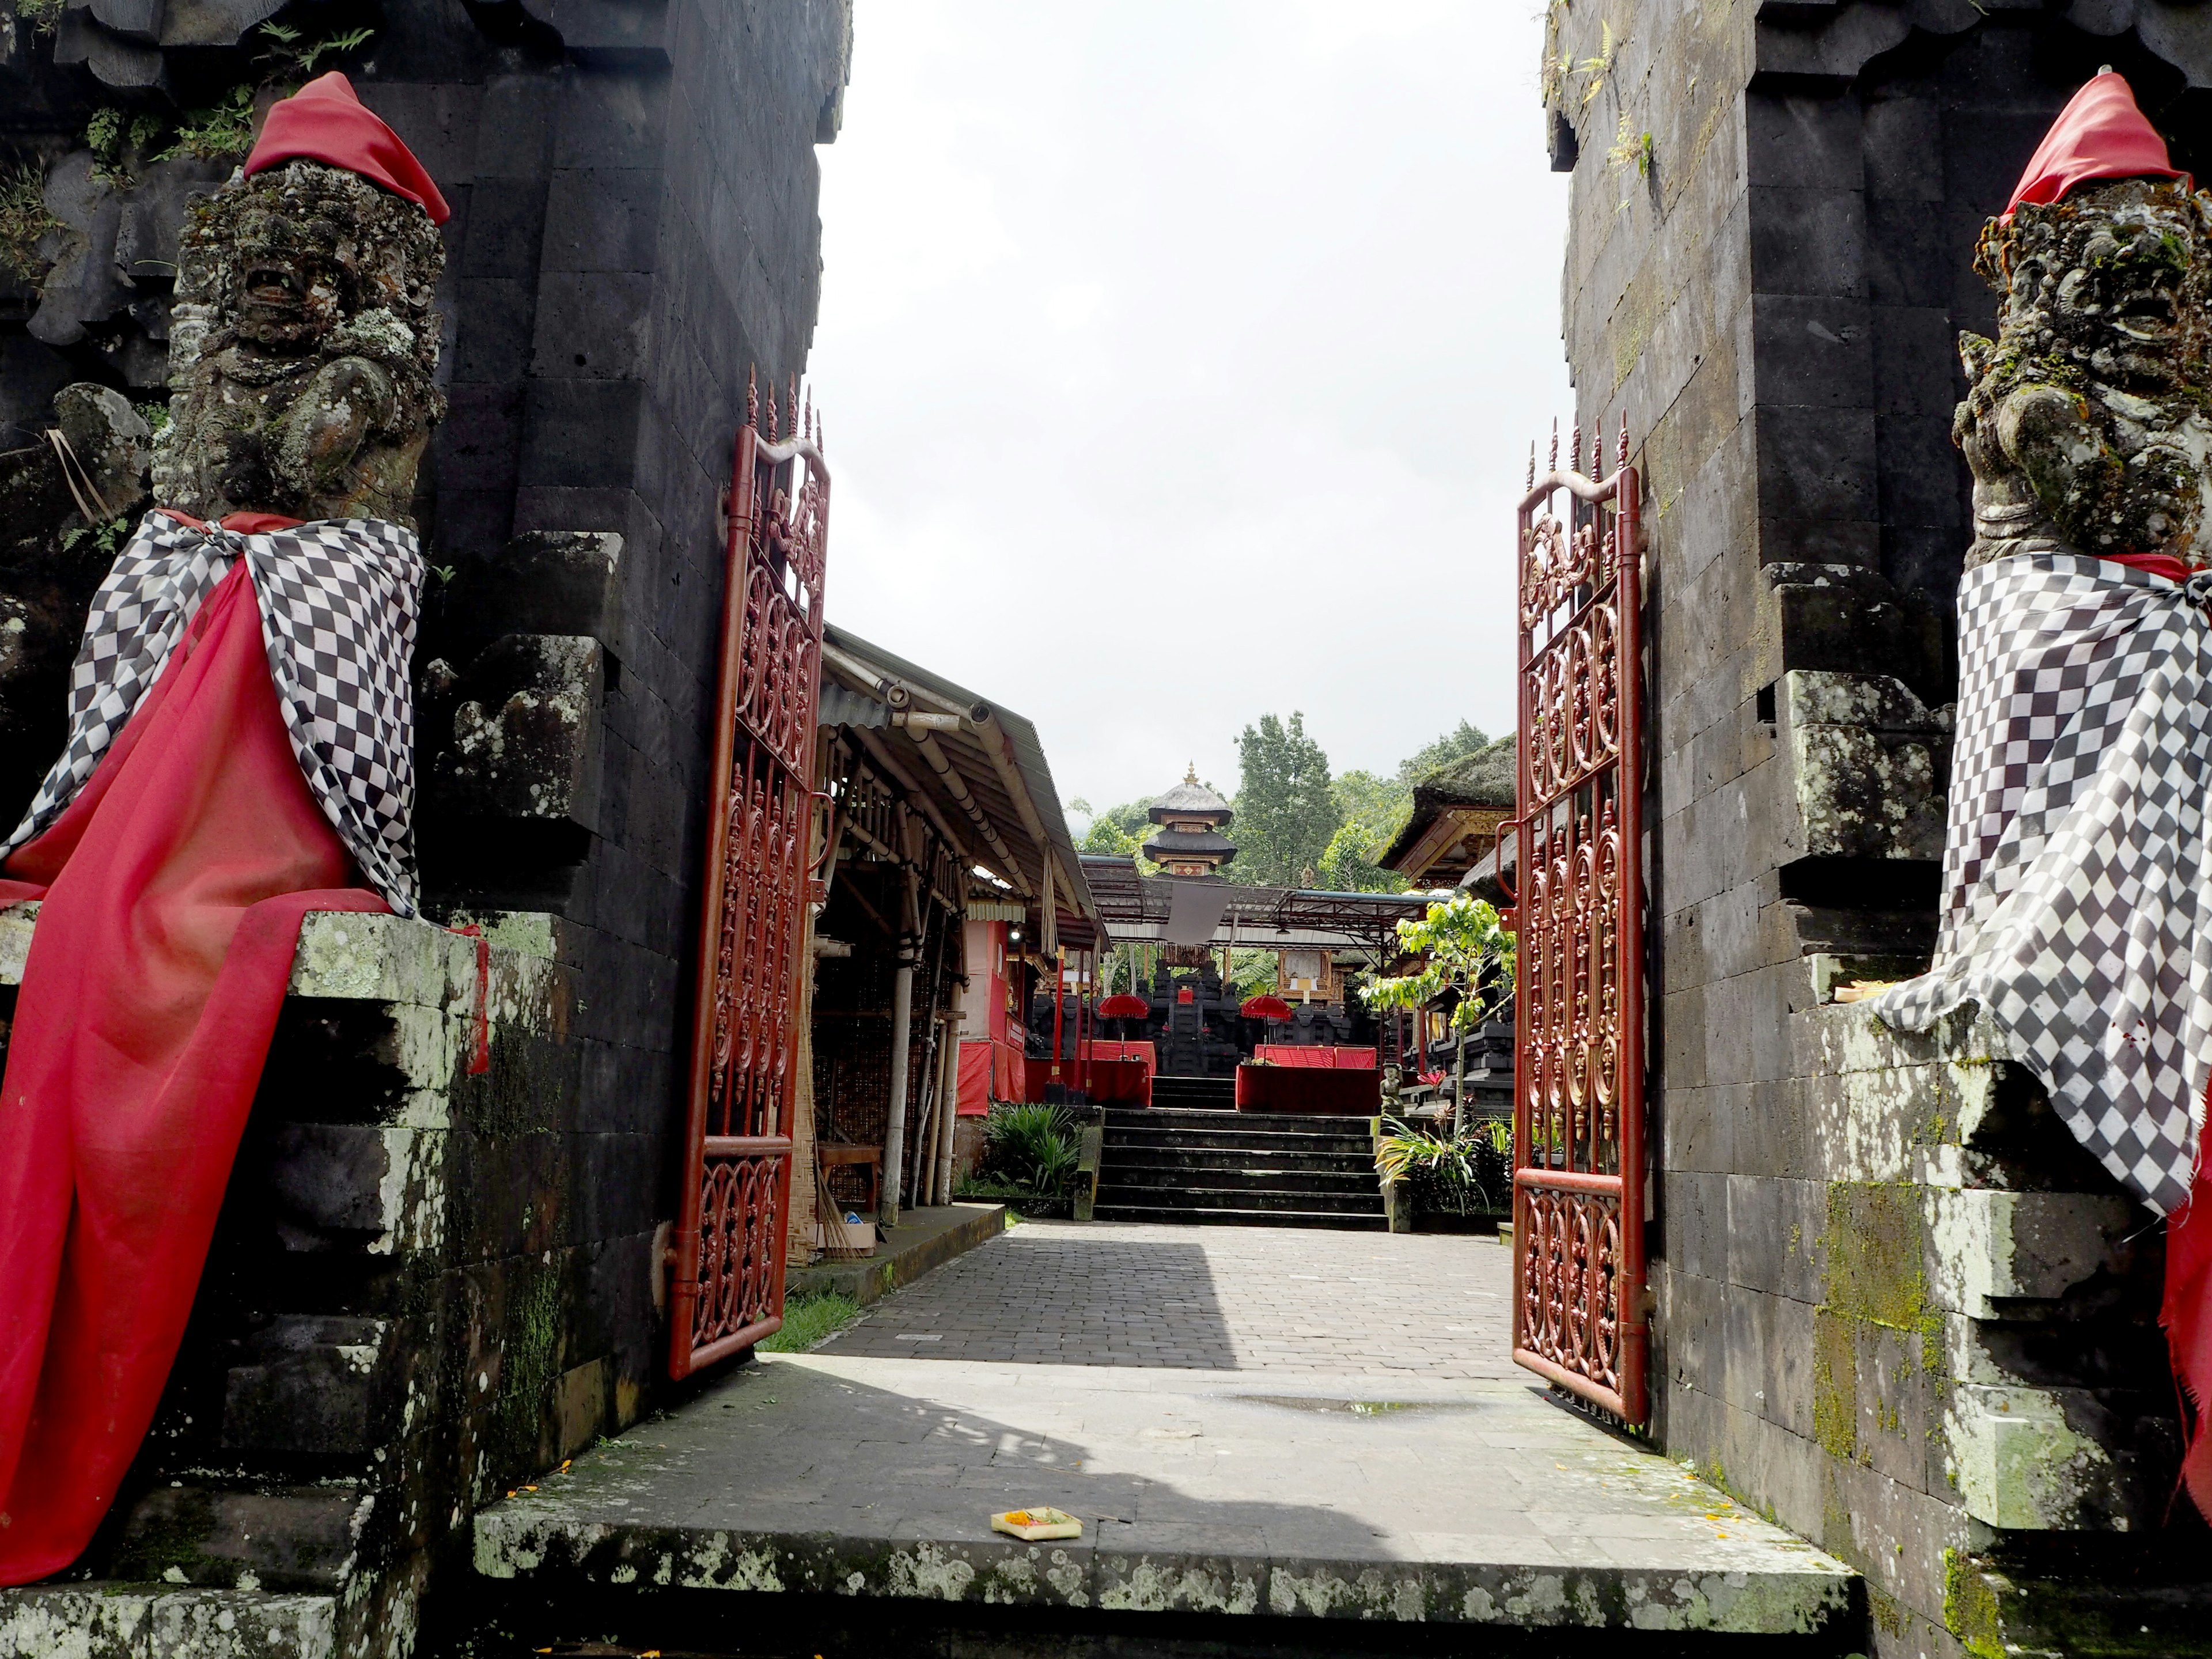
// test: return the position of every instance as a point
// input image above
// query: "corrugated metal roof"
(861, 699)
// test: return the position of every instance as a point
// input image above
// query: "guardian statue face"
(302, 350)
(2087, 422)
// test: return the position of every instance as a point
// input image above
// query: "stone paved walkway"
(1247, 1420)
(1212, 1298)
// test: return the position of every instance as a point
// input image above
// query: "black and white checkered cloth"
(2076, 869)
(339, 601)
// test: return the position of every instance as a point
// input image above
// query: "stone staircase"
(1192, 1157)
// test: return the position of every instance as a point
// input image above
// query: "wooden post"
(887, 1207)
(948, 1116)
(1059, 1005)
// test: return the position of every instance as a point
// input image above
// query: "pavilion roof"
(994, 752)
(1135, 907)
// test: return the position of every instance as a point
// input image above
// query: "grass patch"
(808, 1319)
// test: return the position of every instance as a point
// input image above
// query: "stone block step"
(112, 1620)
(1348, 1222)
(1256, 1201)
(1358, 1145)
(1315, 1153)
(1246, 1178)
(1172, 1117)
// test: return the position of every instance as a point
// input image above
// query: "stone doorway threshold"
(1230, 1454)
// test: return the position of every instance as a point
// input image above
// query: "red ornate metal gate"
(1579, 1175)
(728, 1251)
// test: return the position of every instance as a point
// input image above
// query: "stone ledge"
(355, 957)
(512, 1542)
(98, 1620)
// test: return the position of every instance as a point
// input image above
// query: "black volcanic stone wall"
(1773, 298)
(635, 228)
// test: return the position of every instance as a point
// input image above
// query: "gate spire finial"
(1552, 465)
(1597, 450)
(1621, 459)
(753, 396)
(1531, 485)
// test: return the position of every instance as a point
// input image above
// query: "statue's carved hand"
(347, 400)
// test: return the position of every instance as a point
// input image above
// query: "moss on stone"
(1970, 1608)
(1835, 1385)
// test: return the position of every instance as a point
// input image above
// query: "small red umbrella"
(1122, 1005)
(1266, 1007)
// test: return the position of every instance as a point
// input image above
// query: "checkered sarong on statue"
(339, 600)
(2077, 879)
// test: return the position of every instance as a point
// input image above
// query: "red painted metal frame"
(728, 1256)
(1580, 1179)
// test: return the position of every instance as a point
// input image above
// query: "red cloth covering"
(1144, 1054)
(2189, 1332)
(326, 121)
(1328, 1055)
(174, 886)
(989, 1071)
(973, 1098)
(2100, 134)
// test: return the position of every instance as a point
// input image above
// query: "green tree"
(1286, 813)
(1375, 809)
(1455, 744)
(1117, 832)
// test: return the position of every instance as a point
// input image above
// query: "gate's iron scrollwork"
(1579, 1180)
(729, 1250)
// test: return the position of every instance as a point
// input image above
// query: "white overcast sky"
(1178, 361)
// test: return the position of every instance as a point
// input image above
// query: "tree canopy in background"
(1286, 813)
(1455, 744)
(1292, 817)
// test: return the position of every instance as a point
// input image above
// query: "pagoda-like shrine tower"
(1188, 840)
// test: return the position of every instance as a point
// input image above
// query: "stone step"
(1238, 1177)
(1249, 1200)
(271, 1538)
(1156, 1212)
(1246, 1133)
(1229, 1148)
(113, 1619)
(1186, 1118)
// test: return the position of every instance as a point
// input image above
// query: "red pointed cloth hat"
(326, 122)
(2100, 134)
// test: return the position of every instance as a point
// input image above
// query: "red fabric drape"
(174, 886)
(2189, 1332)
(2100, 134)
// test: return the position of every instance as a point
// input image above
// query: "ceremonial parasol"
(1266, 1007)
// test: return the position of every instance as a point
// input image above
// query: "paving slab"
(1245, 1422)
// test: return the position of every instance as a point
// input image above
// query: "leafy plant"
(107, 537)
(224, 128)
(25, 220)
(1452, 1175)
(295, 59)
(119, 140)
(1465, 947)
(1030, 1147)
(1631, 148)
(43, 16)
